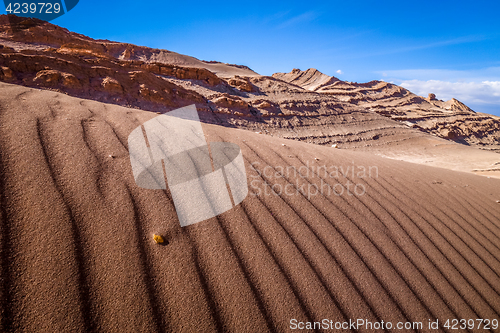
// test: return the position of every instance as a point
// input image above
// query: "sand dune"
(77, 251)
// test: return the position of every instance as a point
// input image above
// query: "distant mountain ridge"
(448, 119)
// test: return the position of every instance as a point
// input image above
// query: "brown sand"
(78, 255)
(438, 152)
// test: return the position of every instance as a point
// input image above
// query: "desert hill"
(32, 33)
(413, 243)
(309, 106)
(450, 120)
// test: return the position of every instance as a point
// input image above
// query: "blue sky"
(450, 48)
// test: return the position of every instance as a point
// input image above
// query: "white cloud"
(485, 92)
(474, 75)
(409, 46)
(339, 72)
(299, 19)
(478, 88)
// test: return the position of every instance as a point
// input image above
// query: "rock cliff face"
(302, 105)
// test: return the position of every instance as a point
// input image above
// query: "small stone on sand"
(158, 239)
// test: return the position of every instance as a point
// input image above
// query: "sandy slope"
(77, 253)
(433, 151)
